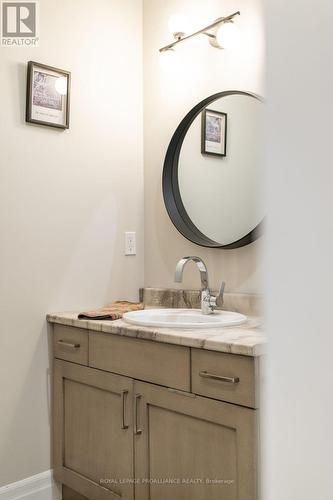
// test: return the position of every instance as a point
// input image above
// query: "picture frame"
(48, 96)
(214, 133)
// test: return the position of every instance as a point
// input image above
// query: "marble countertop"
(247, 339)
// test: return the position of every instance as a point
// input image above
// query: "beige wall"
(169, 95)
(66, 199)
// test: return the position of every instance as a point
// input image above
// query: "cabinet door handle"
(137, 429)
(123, 411)
(68, 344)
(229, 380)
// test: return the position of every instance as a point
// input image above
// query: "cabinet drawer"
(162, 364)
(226, 377)
(70, 344)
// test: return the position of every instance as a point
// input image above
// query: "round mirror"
(213, 172)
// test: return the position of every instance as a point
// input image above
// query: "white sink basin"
(183, 318)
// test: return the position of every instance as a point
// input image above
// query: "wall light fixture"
(222, 34)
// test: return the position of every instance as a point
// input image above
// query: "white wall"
(299, 271)
(169, 95)
(66, 198)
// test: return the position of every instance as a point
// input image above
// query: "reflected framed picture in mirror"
(214, 133)
(48, 95)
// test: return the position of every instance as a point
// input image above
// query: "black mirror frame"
(171, 192)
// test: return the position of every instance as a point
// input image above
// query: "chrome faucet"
(208, 301)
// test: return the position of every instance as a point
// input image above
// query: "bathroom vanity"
(156, 413)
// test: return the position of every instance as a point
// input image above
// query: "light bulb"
(61, 85)
(177, 25)
(227, 36)
(167, 59)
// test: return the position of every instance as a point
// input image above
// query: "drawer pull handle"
(123, 424)
(137, 429)
(68, 344)
(229, 380)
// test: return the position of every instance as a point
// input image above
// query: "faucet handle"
(218, 301)
(219, 298)
(214, 302)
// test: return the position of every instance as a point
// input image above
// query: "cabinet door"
(93, 431)
(192, 448)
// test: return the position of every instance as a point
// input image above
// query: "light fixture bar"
(202, 31)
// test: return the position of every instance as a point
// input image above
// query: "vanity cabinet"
(123, 430)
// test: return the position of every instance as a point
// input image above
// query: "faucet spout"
(201, 266)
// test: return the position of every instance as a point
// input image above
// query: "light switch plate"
(130, 243)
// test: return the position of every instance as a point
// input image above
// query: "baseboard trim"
(38, 487)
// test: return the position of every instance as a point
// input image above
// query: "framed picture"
(214, 133)
(48, 95)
